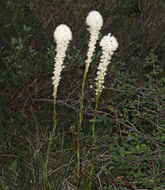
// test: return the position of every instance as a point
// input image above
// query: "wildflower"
(91, 86)
(95, 21)
(108, 44)
(62, 36)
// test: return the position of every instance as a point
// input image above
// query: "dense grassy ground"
(130, 128)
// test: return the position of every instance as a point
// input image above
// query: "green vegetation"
(130, 121)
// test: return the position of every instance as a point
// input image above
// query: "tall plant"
(94, 21)
(62, 36)
(108, 44)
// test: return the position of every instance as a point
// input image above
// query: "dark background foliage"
(131, 117)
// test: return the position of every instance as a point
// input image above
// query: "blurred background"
(131, 116)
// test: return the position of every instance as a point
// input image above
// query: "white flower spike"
(108, 44)
(62, 36)
(94, 21)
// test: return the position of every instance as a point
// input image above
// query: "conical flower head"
(62, 36)
(94, 20)
(108, 44)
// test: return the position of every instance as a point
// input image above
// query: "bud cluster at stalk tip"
(108, 44)
(94, 21)
(62, 36)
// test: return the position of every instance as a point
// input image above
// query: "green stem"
(82, 94)
(79, 124)
(50, 142)
(94, 137)
(94, 120)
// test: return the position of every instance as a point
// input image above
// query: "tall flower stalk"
(108, 44)
(62, 36)
(94, 21)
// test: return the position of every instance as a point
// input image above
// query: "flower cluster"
(62, 36)
(94, 21)
(108, 44)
